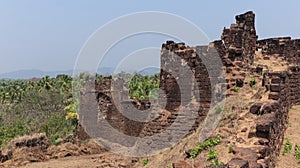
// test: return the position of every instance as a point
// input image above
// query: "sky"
(48, 34)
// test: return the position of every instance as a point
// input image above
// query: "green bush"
(145, 162)
(297, 153)
(212, 154)
(56, 127)
(195, 152)
(253, 82)
(230, 149)
(236, 89)
(216, 162)
(218, 109)
(204, 146)
(8, 132)
(35, 107)
(143, 87)
(287, 147)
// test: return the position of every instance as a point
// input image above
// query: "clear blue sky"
(48, 34)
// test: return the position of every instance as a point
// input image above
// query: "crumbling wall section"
(183, 77)
(294, 83)
(113, 100)
(284, 47)
(237, 48)
(273, 122)
(273, 114)
(240, 39)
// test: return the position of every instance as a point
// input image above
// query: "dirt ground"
(77, 161)
(90, 161)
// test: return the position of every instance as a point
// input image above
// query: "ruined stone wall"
(113, 100)
(284, 86)
(272, 45)
(240, 39)
(183, 77)
(183, 63)
(237, 48)
(284, 93)
(294, 83)
(273, 114)
(284, 47)
(273, 122)
(182, 86)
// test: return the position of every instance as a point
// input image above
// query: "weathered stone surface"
(238, 163)
(275, 87)
(259, 69)
(181, 164)
(274, 96)
(261, 108)
(285, 47)
(264, 124)
(255, 108)
(239, 82)
(246, 154)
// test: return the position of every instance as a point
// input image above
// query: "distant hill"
(105, 71)
(149, 71)
(34, 73)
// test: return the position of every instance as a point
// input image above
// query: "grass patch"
(287, 147)
(145, 162)
(236, 89)
(230, 149)
(212, 154)
(216, 162)
(297, 153)
(204, 146)
(253, 82)
(218, 109)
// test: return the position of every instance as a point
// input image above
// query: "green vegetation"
(218, 109)
(236, 89)
(144, 87)
(204, 146)
(8, 132)
(145, 162)
(230, 149)
(141, 87)
(287, 147)
(50, 105)
(36, 106)
(196, 151)
(297, 153)
(212, 154)
(253, 82)
(216, 162)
